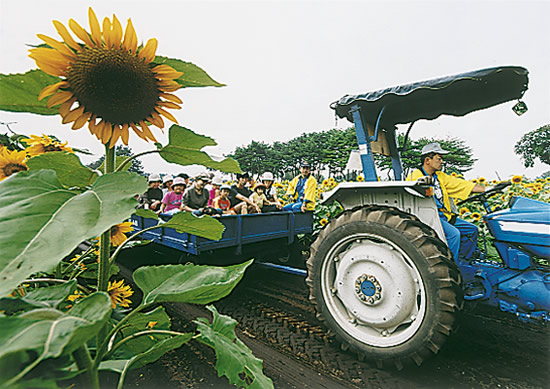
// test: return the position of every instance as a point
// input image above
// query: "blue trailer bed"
(240, 230)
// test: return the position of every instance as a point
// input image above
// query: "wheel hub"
(368, 289)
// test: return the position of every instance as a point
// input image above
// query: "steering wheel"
(488, 193)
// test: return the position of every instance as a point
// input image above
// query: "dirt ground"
(491, 350)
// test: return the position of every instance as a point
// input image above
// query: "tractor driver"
(461, 235)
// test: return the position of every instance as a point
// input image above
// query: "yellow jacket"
(310, 191)
(450, 186)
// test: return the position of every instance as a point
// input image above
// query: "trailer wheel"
(385, 285)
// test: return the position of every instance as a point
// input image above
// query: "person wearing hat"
(241, 194)
(270, 193)
(258, 196)
(215, 190)
(302, 190)
(461, 235)
(153, 197)
(195, 199)
(167, 184)
(171, 202)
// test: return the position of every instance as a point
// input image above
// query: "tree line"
(328, 153)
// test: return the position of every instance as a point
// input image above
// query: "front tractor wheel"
(385, 285)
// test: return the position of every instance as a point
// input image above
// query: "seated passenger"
(240, 194)
(153, 197)
(215, 190)
(271, 194)
(167, 182)
(171, 202)
(258, 196)
(302, 191)
(222, 201)
(195, 199)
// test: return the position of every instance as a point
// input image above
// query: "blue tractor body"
(518, 284)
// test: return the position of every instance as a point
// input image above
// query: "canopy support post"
(365, 151)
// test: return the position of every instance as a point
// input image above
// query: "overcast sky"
(284, 62)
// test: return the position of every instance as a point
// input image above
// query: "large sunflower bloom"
(114, 83)
(44, 144)
(119, 293)
(11, 162)
(118, 233)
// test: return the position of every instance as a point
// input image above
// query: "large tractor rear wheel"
(385, 285)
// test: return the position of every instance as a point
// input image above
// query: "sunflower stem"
(105, 247)
(84, 362)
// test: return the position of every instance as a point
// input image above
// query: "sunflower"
(325, 182)
(323, 222)
(119, 294)
(475, 216)
(44, 144)
(453, 174)
(11, 162)
(117, 233)
(463, 210)
(482, 180)
(517, 179)
(547, 179)
(360, 178)
(114, 83)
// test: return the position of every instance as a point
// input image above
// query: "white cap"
(178, 181)
(154, 177)
(167, 178)
(217, 181)
(433, 148)
(267, 176)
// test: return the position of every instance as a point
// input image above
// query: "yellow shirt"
(310, 191)
(450, 186)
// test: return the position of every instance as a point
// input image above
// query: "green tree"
(459, 160)
(122, 152)
(533, 145)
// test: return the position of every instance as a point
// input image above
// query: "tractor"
(380, 274)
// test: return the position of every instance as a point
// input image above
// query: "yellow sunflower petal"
(146, 131)
(67, 38)
(157, 120)
(168, 86)
(167, 71)
(107, 132)
(125, 134)
(166, 114)
(148, 52)
(82, 119)
(81, 33)
(138, 131)
(51, 89)
(59, 98)
(107, 34)
(73, 115)
(116, 32)
(130, 38)
(168, 104)
(65, 108)
(60, 47)
(171, 97)
(94, 27)
(117, 131)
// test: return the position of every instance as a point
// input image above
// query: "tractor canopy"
(452, 95)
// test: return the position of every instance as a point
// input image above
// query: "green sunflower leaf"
(233, 358)
(42, 221)
(68, 168)
(147, 213)
(184, 148)
(51, 333)
(188, 283)
(46, 297)
(205, 226)
(193, 76)
(19, 92)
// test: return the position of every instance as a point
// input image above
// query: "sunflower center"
(114, 85)
(12, 168)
